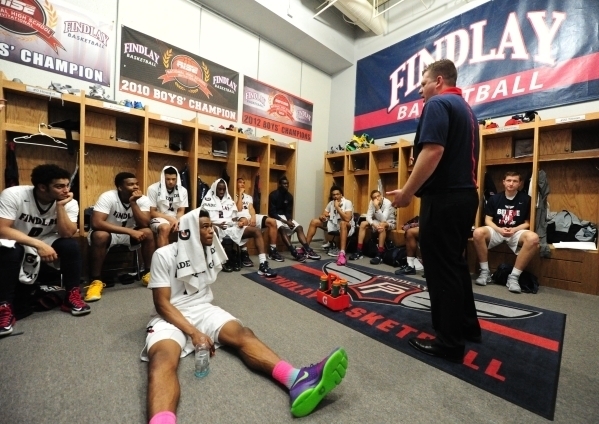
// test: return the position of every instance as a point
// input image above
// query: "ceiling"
(296, 35)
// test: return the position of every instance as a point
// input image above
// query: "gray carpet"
(87, 370)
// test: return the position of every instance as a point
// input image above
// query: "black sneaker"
(312, 255)
(227, 267)
(265, 270)
(273, 255)
(405, 270)
(300, 257)
(74, 304)
(245, 259)
(7, 319)
(377, 260)
(355, 256)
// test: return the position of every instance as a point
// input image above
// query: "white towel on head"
(163, 193)
(194, 268)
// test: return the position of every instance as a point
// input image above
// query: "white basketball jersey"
(119, 213)
(31, 217)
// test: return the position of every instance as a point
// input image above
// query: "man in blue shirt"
(444, 177)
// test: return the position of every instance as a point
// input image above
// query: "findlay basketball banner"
(276, 111)
(160, 71)
(512, 56)
(56, 37)
(518, 360)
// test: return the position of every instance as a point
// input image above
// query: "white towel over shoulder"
(199, 269)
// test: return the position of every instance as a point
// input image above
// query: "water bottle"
(202, 358)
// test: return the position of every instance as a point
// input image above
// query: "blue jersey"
(448, 120)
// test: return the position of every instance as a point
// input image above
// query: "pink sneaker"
(341, 261)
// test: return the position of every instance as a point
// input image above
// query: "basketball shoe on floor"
(94, 291)
(298, 256)
(356, 255)
(311, 254)
(512, 284)
(405, 270)
(273, 255)
(484, 278)
(7, 319)
(315, 381)
(341, 259)
(145, 279)
(74, 304)
(245, 259)
(266, 271)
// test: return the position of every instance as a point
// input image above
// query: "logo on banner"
(29, 17)
(141, 53)
(188, 74)
(280, 105)
(89, 34)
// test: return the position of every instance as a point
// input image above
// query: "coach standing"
(444, 177)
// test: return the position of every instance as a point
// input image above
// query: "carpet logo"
(384, 289)
(518, 359)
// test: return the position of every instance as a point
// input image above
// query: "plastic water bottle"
(202, 358)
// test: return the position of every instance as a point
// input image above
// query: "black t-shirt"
(280, 202)
(449, 121)
(508, 213)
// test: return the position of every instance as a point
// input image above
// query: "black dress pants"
(445, 225)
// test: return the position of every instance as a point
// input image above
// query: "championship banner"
(512, 57)
(57, 37)
(160, 71)
(274, 110)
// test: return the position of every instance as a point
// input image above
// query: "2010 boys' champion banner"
(57, 37)
(512, 57)
(160, 71)
(277, 111)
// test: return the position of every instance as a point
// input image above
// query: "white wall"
(199, 31)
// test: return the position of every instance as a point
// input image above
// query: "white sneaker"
(326, 245)
(512, 284)
(418, 265)
(334, 252)
(484, 278)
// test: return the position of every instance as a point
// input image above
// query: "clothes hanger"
(60, 144)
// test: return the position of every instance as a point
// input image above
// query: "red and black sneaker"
(74, 304)
(7, 319)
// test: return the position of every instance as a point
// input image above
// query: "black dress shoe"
(433, 348)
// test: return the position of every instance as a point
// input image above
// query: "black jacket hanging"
(257, 194)
(11, 172)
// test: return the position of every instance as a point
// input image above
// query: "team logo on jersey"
(366, 287)
(184, 235)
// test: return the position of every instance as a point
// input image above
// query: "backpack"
(203, 189)
(528, 281)
(395, 256)
(371, 247)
